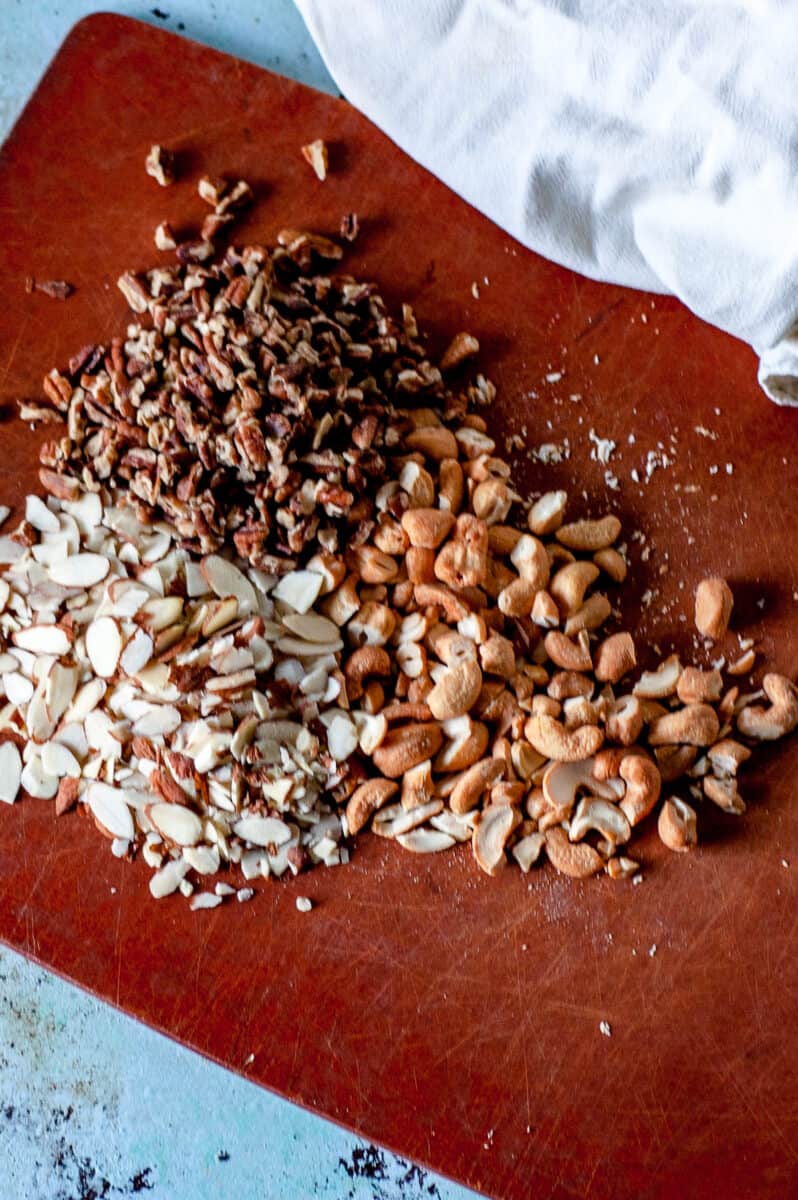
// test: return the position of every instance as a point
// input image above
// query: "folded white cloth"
(652, 145)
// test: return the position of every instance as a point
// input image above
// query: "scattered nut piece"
(713, 606)
(316, 154)
(160, 164)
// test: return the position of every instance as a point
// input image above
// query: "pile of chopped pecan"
(283, 589)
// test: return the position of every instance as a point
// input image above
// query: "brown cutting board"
(452, 1017)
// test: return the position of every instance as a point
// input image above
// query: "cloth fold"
(654, 146)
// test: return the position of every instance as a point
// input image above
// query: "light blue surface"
(94, 1106)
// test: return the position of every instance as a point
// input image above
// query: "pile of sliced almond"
(386, 636)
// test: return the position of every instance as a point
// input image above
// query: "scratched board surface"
(452, 1017)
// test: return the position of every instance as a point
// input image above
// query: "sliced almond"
(10, 772)
(299, 589)
(137, 652)
(176, 823)
(262, 831)
(225, 579)
(104, 646)
(42, 639)
(80, 571)
(110, 810)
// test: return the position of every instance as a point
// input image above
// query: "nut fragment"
(160, 164)
(366, 800)
(779, 719)
(315, 153)
(713, 606)
(491, 834)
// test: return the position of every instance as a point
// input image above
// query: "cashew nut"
(780, 718)
(624, 722)
(466, 742)
(569, 584)
(656, 685)
(727, 756)
(567, 654)
(591, 615)
(677, 825)
(366, 800)
(546, 514)
(579, 860)
(674, 761)
(699, 687)
(406, 746)
(457, 691)
(713, 606)
(589, 535)
(723, 792)
(526, 852)
(427, 527)
(615, 657)
(564, 685)
(694, 725)
(473, 782)
(361, 665)
(531, 561)
(556, 742)
(643, 784)
(491, 834)
(593, 813)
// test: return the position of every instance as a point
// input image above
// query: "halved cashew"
(517, 599)
(600, 815)
(674, 761)
(643, 785)
(571, 656)
(545, 611)
(526, 852)
(591, 615)
(463, 561)
(418, 786)
(624, 722)
(497, 656)
(371, 730)
(531, 561)
(451, 647)
(612, 563)
(491, 835)
(699, 687)
(366, 662)
(393, 821)
(564, 685)
(372, 624)
(780, 718)
(427, 527)
(578, 860)
(589, 535)
(366, 800)
(546, 514)
(525, 759)
(677, 825)
(342, 604)
(578, 710)
(473, 782)
(723, 792)
(457, 691)
(713, 606)
(406, 746)
(491, 501)
(372, 565)
(420, 565)
(727, 756)
(621, 867)
(656, 685)
(615, 657)
(562, 781)
(569, 584)
(694, 725)
(553, 740)
(466, 743)
(450, 485)
(437, 595)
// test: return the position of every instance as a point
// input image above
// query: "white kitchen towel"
(648, 144)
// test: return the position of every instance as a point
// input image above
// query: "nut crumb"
(160, 164)
(605, 1028)
(316, 154)
(304, 904)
